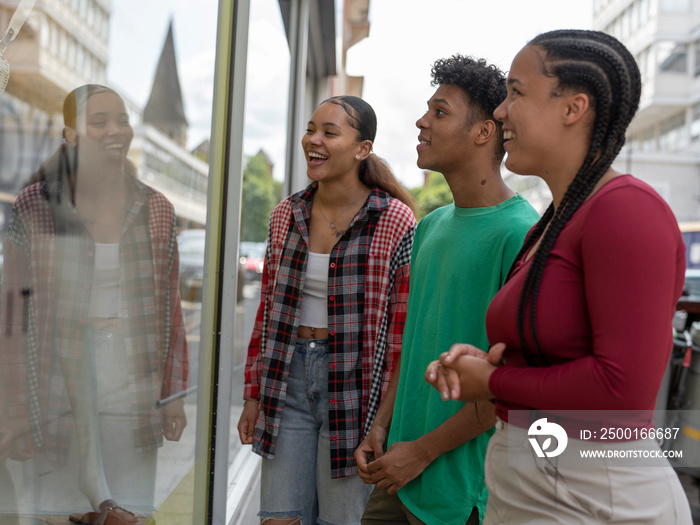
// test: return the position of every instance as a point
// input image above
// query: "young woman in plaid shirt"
(328, 330)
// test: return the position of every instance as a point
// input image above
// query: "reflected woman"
(92, 323)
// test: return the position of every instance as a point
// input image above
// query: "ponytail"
(376, 173)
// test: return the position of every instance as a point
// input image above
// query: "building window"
(653, 8)
(675, 6)
(44, 34)
(643, 11)
(62, 46)
(645, 142)
(54, 38)
(672, 57)
(634, 16)
(696, 48)
(695, 124)
(80, 58)
(672, 136)
(646, 65)
(625, 17)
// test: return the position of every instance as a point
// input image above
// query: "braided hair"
(600, 66)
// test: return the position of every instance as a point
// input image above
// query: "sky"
(406, 37)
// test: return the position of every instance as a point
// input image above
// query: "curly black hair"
(483, 84)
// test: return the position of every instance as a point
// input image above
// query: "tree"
(434, 193)
(261, 193)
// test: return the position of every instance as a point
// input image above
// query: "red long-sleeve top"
(604, 308)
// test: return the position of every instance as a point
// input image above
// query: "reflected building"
(159, 146)
(63, 44)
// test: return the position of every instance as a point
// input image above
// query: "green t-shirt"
(460, 259)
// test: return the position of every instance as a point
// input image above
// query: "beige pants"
(603, 493)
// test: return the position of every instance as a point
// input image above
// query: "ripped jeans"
(297, 482)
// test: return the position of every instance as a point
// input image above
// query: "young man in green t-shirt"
(433, 469)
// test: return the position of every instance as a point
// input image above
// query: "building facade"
(663, 140)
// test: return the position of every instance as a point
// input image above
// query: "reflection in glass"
(93, 329)
(130, 46)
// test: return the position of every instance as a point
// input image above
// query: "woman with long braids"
(583, 325)
(329, 326)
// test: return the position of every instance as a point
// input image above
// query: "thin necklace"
(331, 223)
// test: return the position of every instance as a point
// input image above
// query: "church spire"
(165, 109)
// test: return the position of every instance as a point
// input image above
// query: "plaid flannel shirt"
(367, 290)
(44, 302)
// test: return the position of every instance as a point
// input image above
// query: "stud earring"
(357, 156)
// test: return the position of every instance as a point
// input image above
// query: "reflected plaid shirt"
(49, 258)
(367, 290)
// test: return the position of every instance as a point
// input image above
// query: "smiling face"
(445, 134)
(531, 115)
(331, 144)
(104, 131)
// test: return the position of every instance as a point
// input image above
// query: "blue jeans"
(297, 482)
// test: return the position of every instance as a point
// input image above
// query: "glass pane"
(104, 144)
(265, 132)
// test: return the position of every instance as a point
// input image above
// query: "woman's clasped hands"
(463, 373)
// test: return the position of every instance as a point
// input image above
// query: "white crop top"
(314, 298)
(105, 299)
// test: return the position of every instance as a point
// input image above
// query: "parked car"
(252, 257)
(190, 244)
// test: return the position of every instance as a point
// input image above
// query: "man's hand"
(371, 448)
(403, 462)
(246, 423)
(174, 420)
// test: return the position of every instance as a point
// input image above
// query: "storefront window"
(105, 140)
(143, 145)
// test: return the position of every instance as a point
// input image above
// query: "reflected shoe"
(110, 514)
